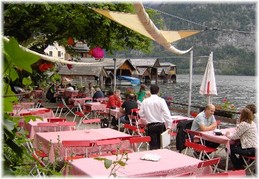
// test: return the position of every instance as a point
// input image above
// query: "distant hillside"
(230, 35)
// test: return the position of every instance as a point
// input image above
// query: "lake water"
(239, 90)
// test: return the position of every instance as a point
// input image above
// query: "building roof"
(150, 62)
(82, 70)
(166, 64)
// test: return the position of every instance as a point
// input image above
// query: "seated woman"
(247, 133)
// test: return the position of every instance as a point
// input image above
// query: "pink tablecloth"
(32, 127)
(210, 136)
(49, 142)
(81, 101)
(171, 163)
(95, 106)
(115, 112)
(42, 112)
(23, 105)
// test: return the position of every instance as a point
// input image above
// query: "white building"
(55, 51)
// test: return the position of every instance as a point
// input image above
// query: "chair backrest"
(66, 123)
(72, 144)
(46, 124)
(107, 142)
(90, 121)
(212, 162)
(140, 139)
(76, 143)
(57, 119)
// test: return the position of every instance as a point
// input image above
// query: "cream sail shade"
(141, 23)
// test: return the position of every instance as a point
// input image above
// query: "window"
(50, 53)
(59, 53)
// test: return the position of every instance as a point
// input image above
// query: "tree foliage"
(38, 25)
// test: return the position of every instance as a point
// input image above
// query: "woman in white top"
(246, 131)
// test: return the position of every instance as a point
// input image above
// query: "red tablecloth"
(49, 142)
(170, 163)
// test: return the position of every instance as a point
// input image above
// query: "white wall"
(55, 51)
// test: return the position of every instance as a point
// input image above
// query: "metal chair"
(199, 146)
(212, 162)
(56, 119)
(249, 163)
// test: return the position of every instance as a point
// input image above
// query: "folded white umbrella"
(208, 85)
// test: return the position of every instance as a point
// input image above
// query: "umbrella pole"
(190, 84)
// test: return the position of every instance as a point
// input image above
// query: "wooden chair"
(212, 162)
(199, 146)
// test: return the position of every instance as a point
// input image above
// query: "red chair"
(66, 124)
(249, 163)
(212, 162)
(47, 126)
(138, 141)
(59, 109)
(105, 147)
(70, 147)
(57, 119)
(92, 121)
(198, 147)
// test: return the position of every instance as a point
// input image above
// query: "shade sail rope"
(55, 60)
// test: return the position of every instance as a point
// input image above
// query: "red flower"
(97, 52)
(45, 66)
(70, 41)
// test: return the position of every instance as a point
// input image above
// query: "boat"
(127, 81)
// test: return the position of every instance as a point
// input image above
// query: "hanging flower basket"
(97, 53)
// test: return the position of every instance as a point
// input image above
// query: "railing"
(182, 108)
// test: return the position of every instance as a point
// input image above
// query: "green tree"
(38, 25)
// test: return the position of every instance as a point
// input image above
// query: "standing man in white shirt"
(158, 118)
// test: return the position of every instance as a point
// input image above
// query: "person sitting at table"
(70, 87)
(246, 131)
(98, 94)
(252, 108)
(205, 121)
(114, 102)
(156, 112)
(127, 106)
(50, 95)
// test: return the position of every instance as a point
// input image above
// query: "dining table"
(32, 127)
(152, 163)
(116, 113)
(51, 142)
(220, 139)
